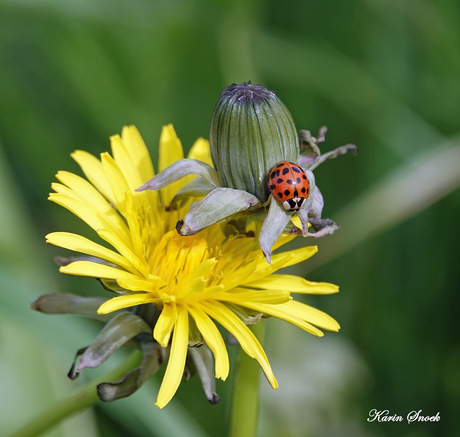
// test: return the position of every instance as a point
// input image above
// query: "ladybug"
(289, 184)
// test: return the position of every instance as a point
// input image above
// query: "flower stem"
(84, 398)
(245, 399)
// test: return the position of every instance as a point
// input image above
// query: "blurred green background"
(383, 74)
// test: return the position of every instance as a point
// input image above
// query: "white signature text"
(414, 416)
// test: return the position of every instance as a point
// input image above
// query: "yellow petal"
(95, 270)
(139, 152)
(122, 156)
(242, 333)
(117, 181)
(81, 244)
(280, 260)
(213, 339)
(192, 288)
(264, 269)
(138, 206)
(124, 250)
(297, 256)
(312, 315)
(89, 215)
(238, 295)
(282, 240)
(295, 284)
(239, 275)
(202, 270)
(62, 189)
(207, 293)
(201, 151)
(92, 168)
(88, 194)
(165, 324)
(152, 284)
(170, 151)
(176, 363)
(130, 300)
(282, 312)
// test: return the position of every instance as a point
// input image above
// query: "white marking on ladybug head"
(294, 204)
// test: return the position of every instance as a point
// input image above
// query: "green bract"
(251, 131)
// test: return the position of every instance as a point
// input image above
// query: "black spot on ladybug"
(277, 173)
(295, 168)
(303, 190)
(289, 182)
(279, 181)
(272, 187)
(308, 190)
(298, 180)
(296, 194)
(279, 165)
(305, 177)
(280, 195)
(272, 175)
(285, 171)
(286, 192)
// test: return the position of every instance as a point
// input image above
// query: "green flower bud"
(251, 131)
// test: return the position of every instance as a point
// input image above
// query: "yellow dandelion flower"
(200, 280)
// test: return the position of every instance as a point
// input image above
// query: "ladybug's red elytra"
(289, 184)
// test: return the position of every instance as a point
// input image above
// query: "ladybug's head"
(294, 204)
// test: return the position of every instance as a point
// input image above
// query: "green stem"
(84, 398)
(245, 399)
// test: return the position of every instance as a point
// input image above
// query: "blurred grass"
(382, 74)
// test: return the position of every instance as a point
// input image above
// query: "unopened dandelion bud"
(251, 131)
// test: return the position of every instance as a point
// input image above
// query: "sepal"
(114, 335)
(66, 303)
(152, 359)
(311, 214)
(204, 364)
(249, 317)
(310, 154)
(199, 187)
(274, 225)
(308, 146)
(342, 150)
(180, 169)
(218, 205)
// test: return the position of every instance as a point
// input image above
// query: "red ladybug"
(289, 184)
